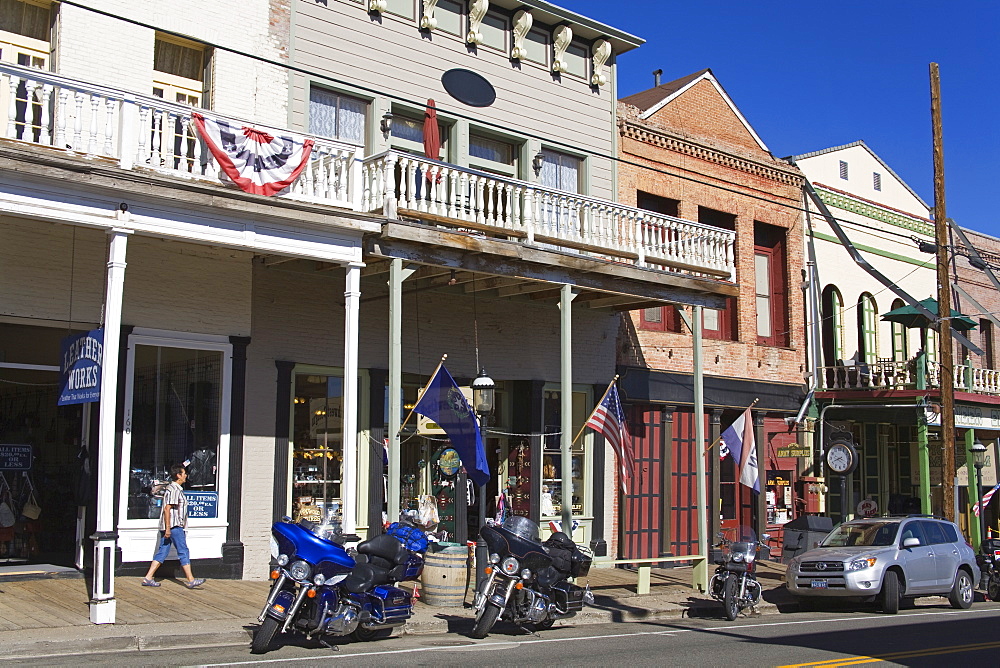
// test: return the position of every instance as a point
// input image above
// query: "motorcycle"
(989, 579)
(320, 588)
(735, 579)
(528, 581)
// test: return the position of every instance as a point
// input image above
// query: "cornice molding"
(873, 211)
(661, 139)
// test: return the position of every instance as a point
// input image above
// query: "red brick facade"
(700, 153)
(978, 285)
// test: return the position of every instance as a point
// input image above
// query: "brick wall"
(978, 285)
(696, 151)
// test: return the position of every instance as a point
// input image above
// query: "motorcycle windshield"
(740, 540)
(300, 543)
(505, 543)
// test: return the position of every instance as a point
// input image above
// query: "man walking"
(173, 522)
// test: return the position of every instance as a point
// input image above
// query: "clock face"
(839, 457)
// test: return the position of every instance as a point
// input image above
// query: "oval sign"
(469, 87)
(449, 461)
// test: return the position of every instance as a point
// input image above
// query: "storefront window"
(317, 420)
(175, 419)
(553, 476)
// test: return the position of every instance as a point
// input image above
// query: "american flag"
(609, 419)
(986, 500)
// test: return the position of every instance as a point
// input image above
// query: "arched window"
(867, 329)
(900, 339)
(832, 311)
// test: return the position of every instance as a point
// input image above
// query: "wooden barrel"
(444, 578)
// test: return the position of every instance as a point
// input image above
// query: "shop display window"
(175, 419)
(317, 456)
(553, 477)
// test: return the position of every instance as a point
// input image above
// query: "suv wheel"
(961, 592)
(888, 598)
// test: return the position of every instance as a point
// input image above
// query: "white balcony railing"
(146, 132)
(396, 183)
(893, 375)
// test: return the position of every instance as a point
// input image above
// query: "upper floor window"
(876, 181)
(867, 329)
(771, 292)
(986, 332)
(660, 318)
(179, 70)
(337, 116)
(561, 171)
(494, 29)
(719, 323)
(657, 204)
(832, 308)
(408, 134)
(400, 8)
(843, 170)
(900, 343)
(449, 16)
(576, 60)
(24, 33)
(536, 43)
(493, 155)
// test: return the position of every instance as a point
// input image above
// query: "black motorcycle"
(989, 579)
(527, 581)
(735, 579)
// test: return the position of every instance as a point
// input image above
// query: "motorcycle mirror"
(765, 537)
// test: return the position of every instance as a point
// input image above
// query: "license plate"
(818, 584)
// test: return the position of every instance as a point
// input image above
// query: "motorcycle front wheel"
(730, 599)
(993, 588)
(486, 621)
(264, 635)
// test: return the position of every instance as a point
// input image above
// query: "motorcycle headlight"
(510, 566)
(525, 574)
(494, 558)
(300, 570)
(274, 548)
(738, 556)
(282, 559)
(861, 564)
(319, 580)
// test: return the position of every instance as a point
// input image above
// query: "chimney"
(656, 77)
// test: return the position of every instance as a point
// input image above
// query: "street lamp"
(483, 390)
(979, 461)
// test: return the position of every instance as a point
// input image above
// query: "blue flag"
(444, 403)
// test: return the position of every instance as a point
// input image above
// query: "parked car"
(887, 559)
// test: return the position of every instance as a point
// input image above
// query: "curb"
(119, 644)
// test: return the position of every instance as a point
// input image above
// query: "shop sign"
(15, 457)
(779, 478)
(81, 360)
(989, 469)
(794, 450)
(202, 504)
(966, 417)
(868, 508)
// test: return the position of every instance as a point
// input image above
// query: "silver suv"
(890, 558)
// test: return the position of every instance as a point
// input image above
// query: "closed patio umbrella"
(432, 135)
(909, 317)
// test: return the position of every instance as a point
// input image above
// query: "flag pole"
(719, 440)
(431, 380)
(596, 406)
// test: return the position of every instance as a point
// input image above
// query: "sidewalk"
(50, 617)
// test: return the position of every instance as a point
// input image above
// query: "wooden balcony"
(894, 375)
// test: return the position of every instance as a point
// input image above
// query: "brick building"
(688, 154)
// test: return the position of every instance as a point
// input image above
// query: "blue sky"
(809, 76)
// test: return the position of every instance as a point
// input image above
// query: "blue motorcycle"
(319, 588)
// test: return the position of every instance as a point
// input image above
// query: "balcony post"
(921, 364)
(128, 132)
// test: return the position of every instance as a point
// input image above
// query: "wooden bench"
(645, 567)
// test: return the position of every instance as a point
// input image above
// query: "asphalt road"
(929, 635)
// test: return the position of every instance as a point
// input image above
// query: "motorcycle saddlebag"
(390, 604)
(568, 597)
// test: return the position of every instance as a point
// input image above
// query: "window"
(770, 285)
(178, 76)
(24, 40)
(660, 319)
(867, 329)
(494, 31)
(552, 473)
(876, 181)
(986, 330)
(719, 323)
(931, 349)
(400, 8)
(449, 16)
(900, 344)
(843, 170)
(19, 19)
(657, 204)
(338, 116)
(561, 171)
(576, 60)
(832, 308)
(408, 134)
(536, 43)
(318, 447)
(726, 221)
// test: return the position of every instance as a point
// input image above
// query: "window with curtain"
(770, 281)
(561, 171)
(337, 116)
(900, 344)
(867, 329)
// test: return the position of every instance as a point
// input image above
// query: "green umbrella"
(911, 318)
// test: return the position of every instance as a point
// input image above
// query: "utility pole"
(947, 374)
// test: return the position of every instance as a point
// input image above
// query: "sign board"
(989, 469)
(967, 417)
(426, 427)
(794, 450)
(202, 504)
(15, 457)
(868, 508)
(80, 362)
(779, 478)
